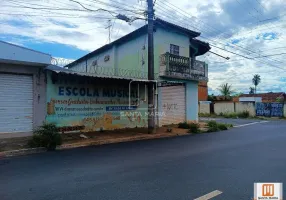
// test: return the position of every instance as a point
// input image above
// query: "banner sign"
(95, 107)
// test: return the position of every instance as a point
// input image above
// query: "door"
(16, 103)
(173, 104)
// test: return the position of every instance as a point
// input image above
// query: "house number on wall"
(170, 106)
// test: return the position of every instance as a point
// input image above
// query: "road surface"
(181, 168)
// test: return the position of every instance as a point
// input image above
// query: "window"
(174, 49)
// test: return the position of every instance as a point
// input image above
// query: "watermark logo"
(268, 191)
(142, 114)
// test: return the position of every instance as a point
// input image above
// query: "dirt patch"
(14, 143)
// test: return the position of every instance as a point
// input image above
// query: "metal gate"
(16, 103)
(173, 104)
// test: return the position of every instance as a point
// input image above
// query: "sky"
(250, 32)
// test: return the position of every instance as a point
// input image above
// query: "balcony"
(179, 67)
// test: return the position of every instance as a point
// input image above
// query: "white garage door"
(16, 103)
(173, 104)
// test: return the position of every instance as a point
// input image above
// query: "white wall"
(15, 54)
(250, 107)
(223, 108)
(204, 108)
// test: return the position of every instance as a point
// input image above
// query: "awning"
(61, 70)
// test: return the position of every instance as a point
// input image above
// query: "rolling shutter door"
(16, 103)
(173, 104)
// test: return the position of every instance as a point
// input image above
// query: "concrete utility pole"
(151, 106)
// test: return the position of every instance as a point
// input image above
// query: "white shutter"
(16, 103)
(173, 105)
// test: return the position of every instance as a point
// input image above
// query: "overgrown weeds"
(46, 136)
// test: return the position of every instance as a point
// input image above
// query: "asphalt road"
(168, 169)
(235, 122)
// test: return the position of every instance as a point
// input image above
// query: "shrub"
(230, 115)
(222, 127)
(46, 136)
(244, 114)
(194, 128)
(211, 123)
(184, 125)
(205, 115)
(212, 126)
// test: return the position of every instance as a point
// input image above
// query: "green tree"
(256, 80)
(226, 89)
(251, 90)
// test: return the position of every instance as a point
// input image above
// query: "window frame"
(175, 49)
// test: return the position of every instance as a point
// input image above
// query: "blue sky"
(253, 29)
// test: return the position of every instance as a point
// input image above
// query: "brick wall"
(203, 91)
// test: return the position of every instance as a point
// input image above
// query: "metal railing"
(180, 67)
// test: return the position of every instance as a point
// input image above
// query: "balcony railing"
(179, 67)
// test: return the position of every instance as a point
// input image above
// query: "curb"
(112, 141)
(22, 152)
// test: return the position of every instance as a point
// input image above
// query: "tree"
(251, 90)
(211, 97)
(225, 89)
(256, 80)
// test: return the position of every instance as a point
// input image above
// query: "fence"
(258, 109)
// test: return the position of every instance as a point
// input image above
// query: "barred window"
(174, 49)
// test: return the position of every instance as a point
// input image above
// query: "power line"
(250, 58)
(215, 40)
(116, 6)
(251, 13)
(245, 49)
(38, 15)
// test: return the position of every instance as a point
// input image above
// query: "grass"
(233, 115)
(207, 115)
(195, 128)
(214, 126)
(184, 125)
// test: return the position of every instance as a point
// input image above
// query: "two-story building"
(107, 88)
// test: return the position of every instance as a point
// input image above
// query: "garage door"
(173, 104)
(16, 103)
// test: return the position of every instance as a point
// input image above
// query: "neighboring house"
(263, 97)
(203, 91)
(120, 68)
(22, 89)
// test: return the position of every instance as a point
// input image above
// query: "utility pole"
(151, 106)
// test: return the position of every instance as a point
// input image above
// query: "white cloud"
(255, 27)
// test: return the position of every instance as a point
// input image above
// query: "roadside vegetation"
(211, 126)
(214, 126)
(46, 136)
(240, 115)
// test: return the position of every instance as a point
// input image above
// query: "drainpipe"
(129, 93)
